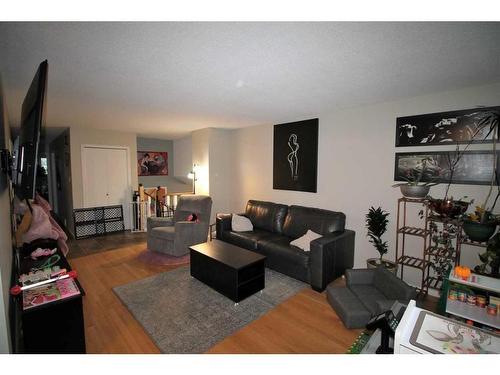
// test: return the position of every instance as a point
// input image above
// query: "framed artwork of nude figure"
(295, 156)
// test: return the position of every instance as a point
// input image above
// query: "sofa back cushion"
(300, 219)
(266, 215)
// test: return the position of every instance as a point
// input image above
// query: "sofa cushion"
(166, 233)
(392, 286)
(368, 295)
(299, 219)
(285, 258)
(347, 306)
(266, 215)
(246, 240)
(304, 242)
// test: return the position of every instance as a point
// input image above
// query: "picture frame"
(437, 334)
(473, 168)
(295, 156)
(443, 128)
(152, 163)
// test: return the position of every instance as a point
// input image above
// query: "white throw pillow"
(241, 224)
(304, 242)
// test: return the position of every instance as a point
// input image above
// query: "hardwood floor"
(304, 323)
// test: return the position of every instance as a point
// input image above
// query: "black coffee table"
(232, 271)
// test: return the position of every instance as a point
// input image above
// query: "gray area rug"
(183, 315)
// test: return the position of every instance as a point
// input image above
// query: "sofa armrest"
(330, 256)
(154, 222)
(222, 223)
(360, 276)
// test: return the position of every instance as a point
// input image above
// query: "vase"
(479, 232)
(414, 191)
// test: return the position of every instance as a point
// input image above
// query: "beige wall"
(183, 161)
(87, 136)
(221, 170)
(201, 157)
(356, 163)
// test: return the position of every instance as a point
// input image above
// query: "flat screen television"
(32, 121)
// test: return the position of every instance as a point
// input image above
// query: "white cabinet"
(481, 285)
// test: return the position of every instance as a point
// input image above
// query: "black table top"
(229, 254)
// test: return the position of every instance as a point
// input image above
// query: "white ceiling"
(166, 79)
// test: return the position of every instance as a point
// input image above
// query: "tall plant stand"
(403, 229)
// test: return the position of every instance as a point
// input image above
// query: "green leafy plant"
(490, 258)
(442, 244)
(376, 223)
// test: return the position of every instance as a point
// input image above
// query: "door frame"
(128, 200)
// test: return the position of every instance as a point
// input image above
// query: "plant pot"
(414, 191)
(480, 232)
(448, 208)
(375, 262)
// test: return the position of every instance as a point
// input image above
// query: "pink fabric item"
(40, 226)
(62, 238)
(151, 257)
(43, 203)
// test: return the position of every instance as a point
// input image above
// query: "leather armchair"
(174, 236)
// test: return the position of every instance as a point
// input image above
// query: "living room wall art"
(473, 167)
(443, 128)
(152, 163)
(295, 156)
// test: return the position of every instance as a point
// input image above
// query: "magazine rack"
(54, 327)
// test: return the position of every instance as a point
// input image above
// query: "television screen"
(32, 120)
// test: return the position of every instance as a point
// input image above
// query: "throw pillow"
(241, 223)
(193, 217)
(304, 242)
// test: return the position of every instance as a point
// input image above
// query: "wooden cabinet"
(55, 327)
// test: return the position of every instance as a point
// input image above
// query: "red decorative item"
(193, 217)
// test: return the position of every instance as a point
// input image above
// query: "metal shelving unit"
(429, 250)
(403, 230)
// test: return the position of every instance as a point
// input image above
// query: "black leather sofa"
(276, 225)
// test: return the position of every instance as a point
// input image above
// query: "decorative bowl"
(448, 208)
(415, 191)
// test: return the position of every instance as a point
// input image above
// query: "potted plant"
(413, 187)
(480, 225)
(490, 259)
(450, 208)
(376, 224)
(442, 249)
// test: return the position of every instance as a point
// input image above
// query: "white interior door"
(106, 178)
(94, 177)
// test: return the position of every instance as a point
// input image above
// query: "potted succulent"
(413, 187)
(376, 224)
